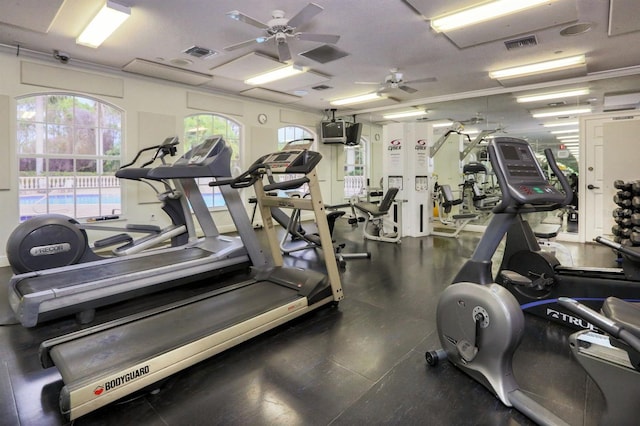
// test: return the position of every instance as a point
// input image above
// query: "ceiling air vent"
(200, 52)
(517, 43)
(322, 87)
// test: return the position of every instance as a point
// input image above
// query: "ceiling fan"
(395, 80)
(281, 29)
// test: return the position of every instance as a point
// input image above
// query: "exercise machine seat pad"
(381, 209)
(625, 313)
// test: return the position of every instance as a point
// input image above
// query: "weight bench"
(446, 201)
(375, 215)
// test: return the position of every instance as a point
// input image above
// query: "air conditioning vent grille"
(518, 43)
(200, 52)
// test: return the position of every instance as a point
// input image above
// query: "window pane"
(86, 166)
(59, 140)
(60, 109)
(28, 136)
(85, 114)
(111, 142)
(110, 166)
(26, 109)
(110, 118)
(85, 142)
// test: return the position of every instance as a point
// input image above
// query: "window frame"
(366, 159)
(49, 185)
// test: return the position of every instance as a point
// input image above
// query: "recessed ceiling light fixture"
(404, 114)
(481, 13)
(358, 99)
(274, 75)
(554, 95)
(555, 112)
(539, 67)
(108, 19)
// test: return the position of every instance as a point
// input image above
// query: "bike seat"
(625, 313)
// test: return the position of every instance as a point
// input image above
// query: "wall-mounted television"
(334, 131)
(354, 132)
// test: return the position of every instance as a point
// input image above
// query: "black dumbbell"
(620, 184)
(622, 202)
(635, 187)
(635, 238)
(620, 212)
(624, 222)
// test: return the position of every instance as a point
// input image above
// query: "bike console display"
(515, 164)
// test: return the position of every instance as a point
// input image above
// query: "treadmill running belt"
(114, 349)
(106, 270)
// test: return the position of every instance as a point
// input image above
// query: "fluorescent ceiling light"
(561, 123)
(278, 74)
(481, 13)
(539, 67)
(559, 132)
(555, 112)
(108, 19)
(358, 99)
(442, 124)
(566, 137)
(471, 131)
(571, 144)
(404, 114)
(555, 95)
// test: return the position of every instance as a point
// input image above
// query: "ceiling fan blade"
(422, 80)
(305, 15)
(320, 38)
(407, 89)
(239, 16)
(245, 43)
(284, 54)
(367, 82)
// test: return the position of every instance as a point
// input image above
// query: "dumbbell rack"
(626, 231)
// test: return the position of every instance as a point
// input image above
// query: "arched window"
(196, 129)
(355, 168)
(68, 151)
(291, 133)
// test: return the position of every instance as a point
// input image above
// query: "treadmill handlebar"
(289, 184)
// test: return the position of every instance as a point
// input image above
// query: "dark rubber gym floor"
(361, 363)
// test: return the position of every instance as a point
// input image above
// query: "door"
(611, 153)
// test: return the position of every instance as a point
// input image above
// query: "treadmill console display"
(291, 161)
(524, 177)
(203, 151)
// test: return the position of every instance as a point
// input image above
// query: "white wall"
(143, 100)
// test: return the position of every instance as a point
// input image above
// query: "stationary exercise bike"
(540, 279)
(480, 323)
(54, 240)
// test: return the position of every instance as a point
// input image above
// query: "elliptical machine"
(36, 244)
(480, 323)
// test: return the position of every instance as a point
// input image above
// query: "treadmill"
(107, 362)
(78, 289)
